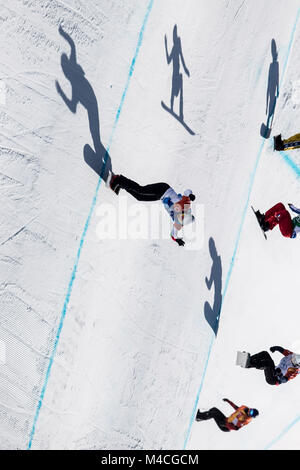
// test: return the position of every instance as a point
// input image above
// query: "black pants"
(215, 414)
(150, 192)
(264, 362)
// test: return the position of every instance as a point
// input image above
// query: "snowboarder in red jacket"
(241, 416)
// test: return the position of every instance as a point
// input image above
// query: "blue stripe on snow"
(86, 226)
(282, 433)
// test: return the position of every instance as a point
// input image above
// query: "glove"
(180, 241)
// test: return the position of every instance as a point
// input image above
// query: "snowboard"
(108, 181)
(259, 223)
(287, 146)
(243, 359)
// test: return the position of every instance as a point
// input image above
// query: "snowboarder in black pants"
(287, 369)
(241, 416)
(177, 205)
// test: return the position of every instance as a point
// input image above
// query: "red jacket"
(238, 419)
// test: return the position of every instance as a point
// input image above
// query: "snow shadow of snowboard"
(212, 313)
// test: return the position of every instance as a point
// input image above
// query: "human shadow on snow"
(82, 93)
(272, 92)
(212, 313)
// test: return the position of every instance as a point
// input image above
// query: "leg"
(270, 375)
(277, 208)
(150, 192)
(286, 224)
(215, 414)
(264, 362)
(181, 99)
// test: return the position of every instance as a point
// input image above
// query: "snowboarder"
(286, 144)
(287, 369)
(278, 215)
(241, 416)
(177, 206)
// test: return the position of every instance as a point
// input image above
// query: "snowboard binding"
(278, 143)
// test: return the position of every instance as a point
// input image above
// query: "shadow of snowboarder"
(82, 92)
(212, 314)
(272, 92)
(176, 57)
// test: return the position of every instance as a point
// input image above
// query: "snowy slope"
(106, 340)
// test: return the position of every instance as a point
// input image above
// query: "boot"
(278, 144)
(264, 224)
(259, 215)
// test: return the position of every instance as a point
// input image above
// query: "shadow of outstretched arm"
(169, 57)
(82, 92)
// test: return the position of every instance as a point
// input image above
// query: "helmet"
(253, 412)
(296, 360)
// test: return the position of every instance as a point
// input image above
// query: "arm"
(268, 92)
(70, 41)
(209, 281)
(230, 403)
(69, 102)
(277, 80)
(294, 208)
(174, 235)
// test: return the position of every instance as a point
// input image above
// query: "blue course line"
(86, 226)
(252, 177)
(228, 277)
